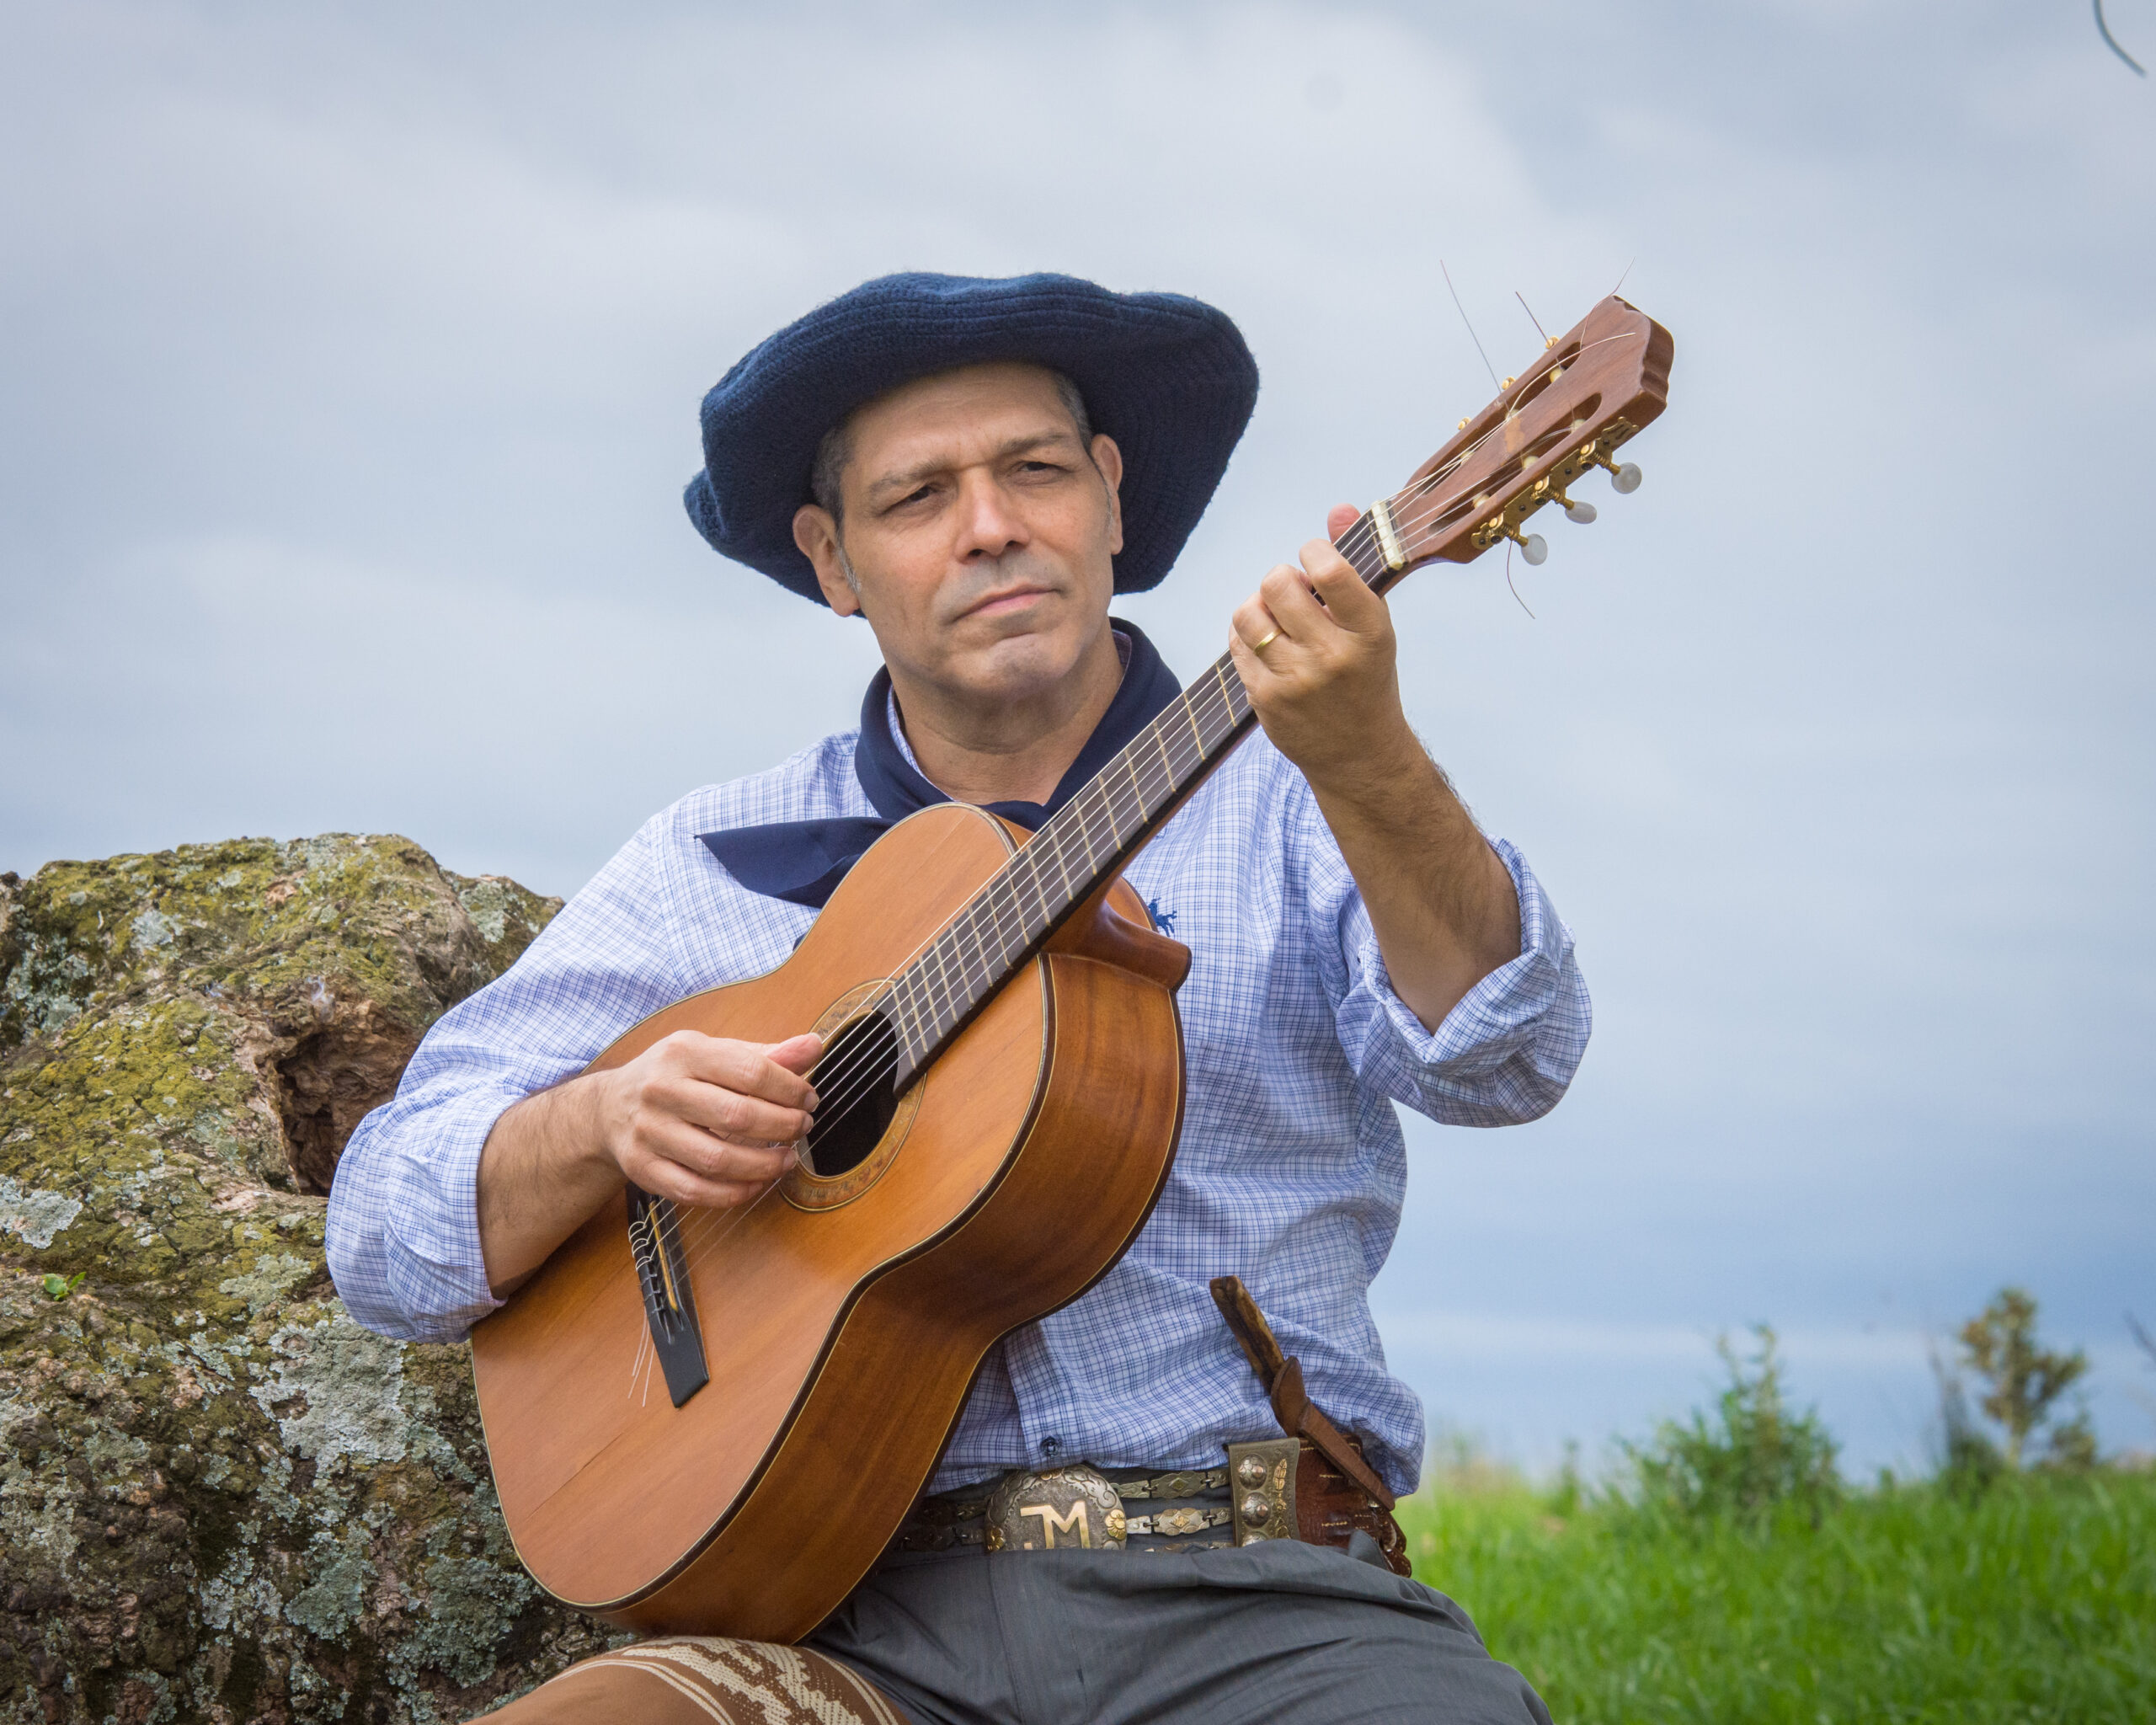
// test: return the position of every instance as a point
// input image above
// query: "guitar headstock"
(1589, 391)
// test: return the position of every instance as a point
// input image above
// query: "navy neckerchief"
(803, 861)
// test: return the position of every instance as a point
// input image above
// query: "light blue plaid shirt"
(1291, 1167)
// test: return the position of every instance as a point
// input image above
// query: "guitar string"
(1003, 895)
(706, 1241)
(705, 1246)
(1000, 901)
(1360, 537)
(643, 1341)
(703, 1243)
(710, 1241)
(828, 1089)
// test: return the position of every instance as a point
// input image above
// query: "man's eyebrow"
(905, 479)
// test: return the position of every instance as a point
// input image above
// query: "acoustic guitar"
(714, 1422)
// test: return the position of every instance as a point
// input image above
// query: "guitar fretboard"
(1086, 841)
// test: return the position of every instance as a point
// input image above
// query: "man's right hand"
(701, 1120)
(706, 1120)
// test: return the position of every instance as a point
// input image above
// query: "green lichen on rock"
(219, 1498)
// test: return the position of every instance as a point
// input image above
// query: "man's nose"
(988, 523)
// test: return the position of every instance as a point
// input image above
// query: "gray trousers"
(1279, 1630)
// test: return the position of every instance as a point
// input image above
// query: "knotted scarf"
(803, 861)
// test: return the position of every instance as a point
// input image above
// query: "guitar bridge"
(670, 1307)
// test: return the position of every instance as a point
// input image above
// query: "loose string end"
(1522, 603)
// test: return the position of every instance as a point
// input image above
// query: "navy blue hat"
(1169, 378)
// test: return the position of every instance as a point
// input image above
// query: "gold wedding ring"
(1271, 636)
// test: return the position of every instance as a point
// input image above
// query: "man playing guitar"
(974, 469)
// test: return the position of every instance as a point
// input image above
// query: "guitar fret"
(1100, 850)
(1004, 901)
(1197, 746)
(972, 944)
(1190, 719)
(1369, 547)
(1071, 843)
(1032, 867)
(1095, 795)
(1062, 861)
(1136, 792)
(939, 980)
(924, 1035)
(973, 955)
(955, 981)
(909, 1035)
(1160, 742)
(999, 938)
(1223, 685)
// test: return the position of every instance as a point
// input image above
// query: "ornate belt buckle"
(1068, 1508)
(1262, 1484)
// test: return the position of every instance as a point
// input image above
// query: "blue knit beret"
(1168, 377)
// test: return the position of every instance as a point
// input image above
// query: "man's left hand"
(1325, 686)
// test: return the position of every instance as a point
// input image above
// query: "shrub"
(2024, 1379)
(1753, 1454)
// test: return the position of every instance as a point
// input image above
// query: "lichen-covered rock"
(219, 1498)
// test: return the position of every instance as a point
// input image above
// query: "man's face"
(979, 529)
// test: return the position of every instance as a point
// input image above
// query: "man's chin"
(1016, 668)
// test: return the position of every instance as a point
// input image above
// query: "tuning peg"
(1531, 546)
(1582, 513)
(1624, 480)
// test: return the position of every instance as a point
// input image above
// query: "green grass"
(2036, 1602)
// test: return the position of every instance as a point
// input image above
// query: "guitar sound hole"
(855, 1100)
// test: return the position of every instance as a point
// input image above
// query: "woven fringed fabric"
(699, 1680)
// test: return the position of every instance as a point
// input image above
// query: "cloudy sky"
(349, 364)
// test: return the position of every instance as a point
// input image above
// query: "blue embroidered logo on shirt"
(1164, 921)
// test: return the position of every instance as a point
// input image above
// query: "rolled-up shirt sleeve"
(1504, 1055)
(403, 1224)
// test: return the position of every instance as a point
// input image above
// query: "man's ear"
(1109, 460)
(818, 536)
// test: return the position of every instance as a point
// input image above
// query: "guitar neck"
(1090, 840)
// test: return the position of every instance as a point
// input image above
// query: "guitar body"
(842, 1318)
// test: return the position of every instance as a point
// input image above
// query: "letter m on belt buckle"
(1052, 1523)
(1071, 1508)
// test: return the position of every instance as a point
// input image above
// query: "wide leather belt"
(1311, 1485)
(1274, 1488)
(1080, 1507)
